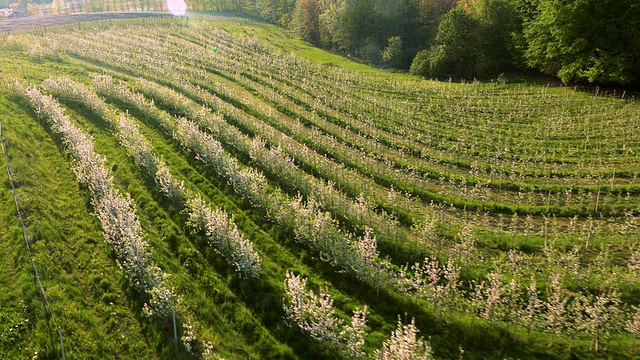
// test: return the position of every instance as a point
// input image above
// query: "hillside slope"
(501, 220)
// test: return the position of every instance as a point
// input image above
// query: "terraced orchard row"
(278, 206)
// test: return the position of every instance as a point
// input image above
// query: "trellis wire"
(45, 302)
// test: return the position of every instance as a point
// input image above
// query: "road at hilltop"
(21, 23)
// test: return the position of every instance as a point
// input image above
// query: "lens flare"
(177, 7)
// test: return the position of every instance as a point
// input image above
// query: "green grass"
(83, 287)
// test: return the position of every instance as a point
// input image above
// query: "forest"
(578, 41)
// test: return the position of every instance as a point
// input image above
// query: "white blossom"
(404, 345)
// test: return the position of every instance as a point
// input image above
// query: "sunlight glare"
(177, 7)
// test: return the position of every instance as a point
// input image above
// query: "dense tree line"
(594, 41)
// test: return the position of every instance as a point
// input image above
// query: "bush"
(392, 52)
(454, 51)
(420, 64)
(370, 52)
(430, 63)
